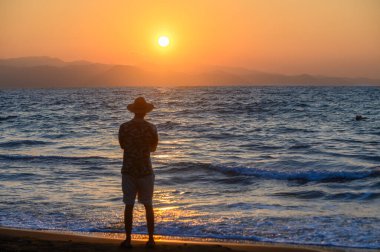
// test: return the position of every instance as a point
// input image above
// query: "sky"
(323, 37)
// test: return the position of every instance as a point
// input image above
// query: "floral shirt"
(138, 138)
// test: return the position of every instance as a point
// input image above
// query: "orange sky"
(330, 37)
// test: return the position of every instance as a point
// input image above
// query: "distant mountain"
(53, 72)
(39, 61)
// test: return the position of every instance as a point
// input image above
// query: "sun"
(163, 41)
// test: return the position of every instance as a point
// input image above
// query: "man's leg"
(150, 221)
(145, 193)
(129, 195)
(128, 217)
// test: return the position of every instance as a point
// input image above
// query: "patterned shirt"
(138, 138)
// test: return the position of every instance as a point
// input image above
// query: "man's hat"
(140, 106)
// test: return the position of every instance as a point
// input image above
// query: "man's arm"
(121, 138)
(154, 142)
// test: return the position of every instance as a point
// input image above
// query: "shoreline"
(13, 239)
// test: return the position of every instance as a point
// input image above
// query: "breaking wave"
(310, 175)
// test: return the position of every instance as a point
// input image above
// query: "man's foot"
(150, 244)
(126, 244)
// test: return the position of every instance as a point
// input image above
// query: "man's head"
(140, 107)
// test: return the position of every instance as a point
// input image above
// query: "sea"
(267, 164)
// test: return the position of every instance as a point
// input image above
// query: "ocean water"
(276, 164)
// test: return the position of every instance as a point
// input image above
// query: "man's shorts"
(143, 187)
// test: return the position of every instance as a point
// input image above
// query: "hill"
(52, 72)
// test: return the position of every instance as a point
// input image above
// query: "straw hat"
(140, 106)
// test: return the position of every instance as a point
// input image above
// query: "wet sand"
(31, 240)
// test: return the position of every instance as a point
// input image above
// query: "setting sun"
(163, 41)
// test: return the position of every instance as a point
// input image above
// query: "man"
(138, 138)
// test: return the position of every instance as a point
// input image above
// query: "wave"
(19, 143)
(363, 157)
(305, 176)
(20, 176)
(299, 146)
(168, 125)
(329, 196)
(53, 158)
(229, 233)
(260, 147)
(319, 176)
(4, 118)
(265, 229)
(56, 136)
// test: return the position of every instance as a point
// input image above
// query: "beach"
(32, 240)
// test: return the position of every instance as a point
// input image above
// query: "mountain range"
(53, 72)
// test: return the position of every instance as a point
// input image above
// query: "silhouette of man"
(138, 138)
